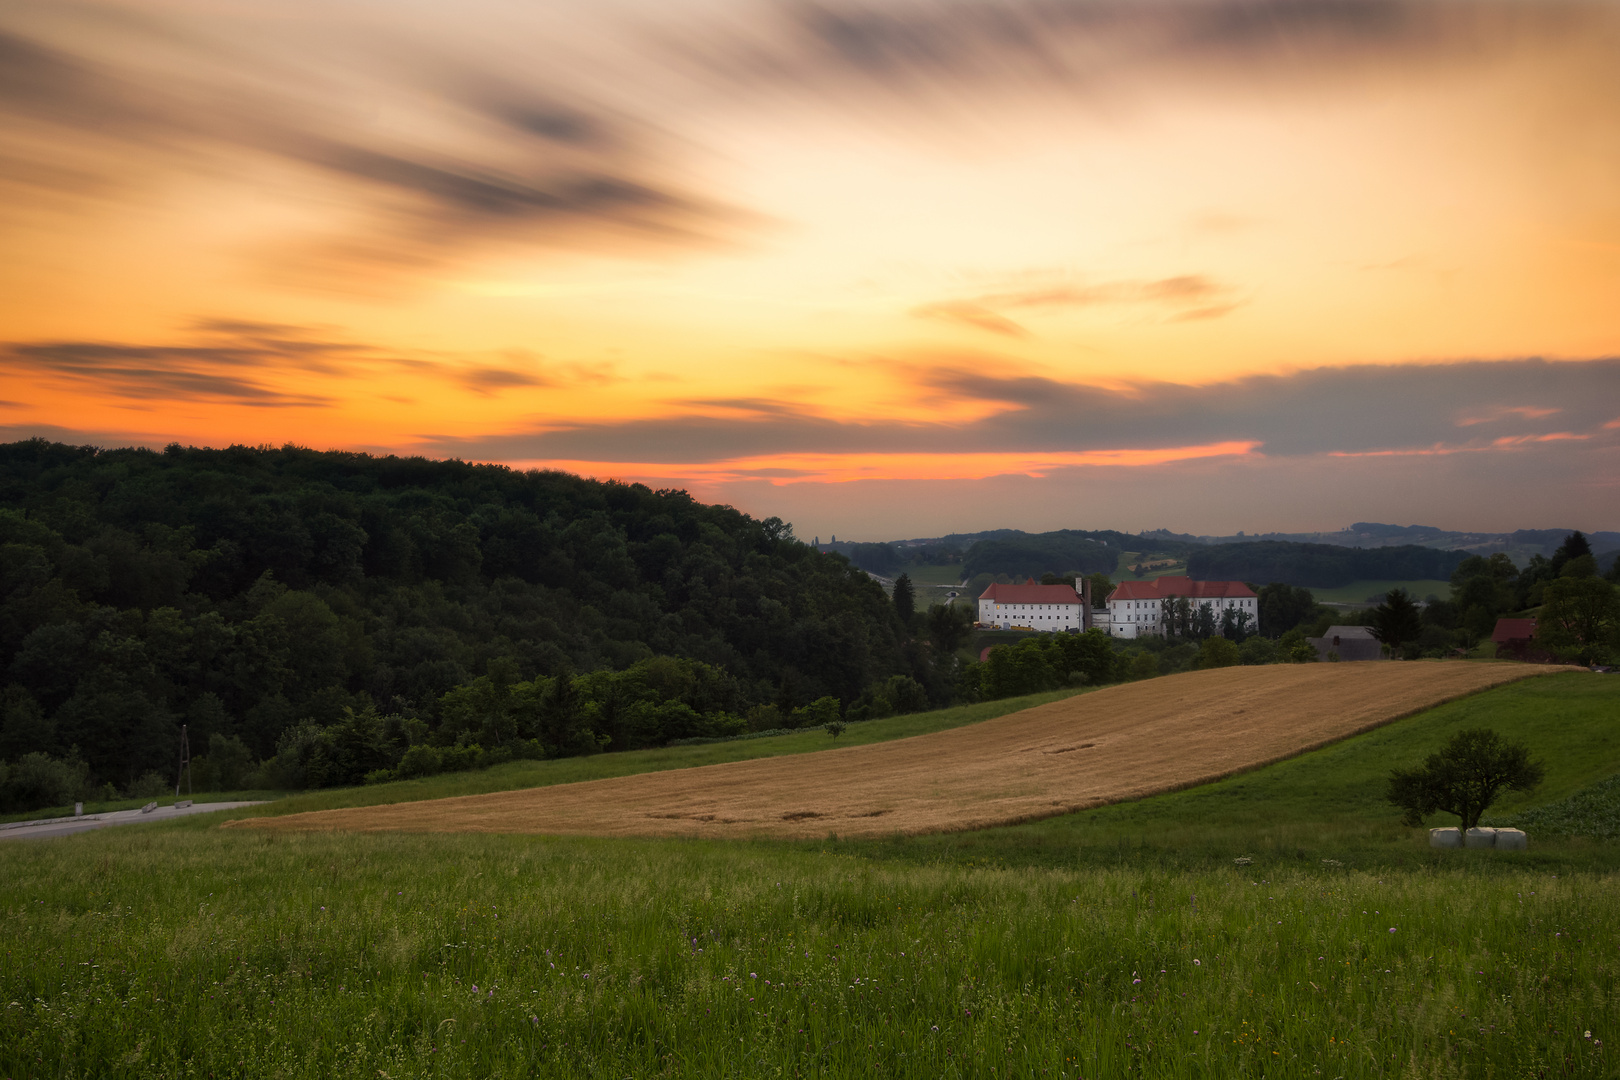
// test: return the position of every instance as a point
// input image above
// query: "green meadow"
(1357, 592)
(1123, 941)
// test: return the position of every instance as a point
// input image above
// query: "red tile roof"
(1159, 588)
(1031, 593)
(1513, 630)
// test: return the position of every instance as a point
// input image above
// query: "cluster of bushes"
(35, 780)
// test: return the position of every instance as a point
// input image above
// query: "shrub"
(819, 713)
(1258, 650)
(229, 760)
(1144, 665)
(1217, 652)
(149, 785)
(420, 761)
(35, 781)
(905, 694)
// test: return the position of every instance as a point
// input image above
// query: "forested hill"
(244, 590)
(1319, 565)
(1063, 551)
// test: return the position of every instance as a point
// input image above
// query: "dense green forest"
(331, 610)
(1065, 551)
(1323, 566)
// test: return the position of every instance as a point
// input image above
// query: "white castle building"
(1033, 607)
(1135, 608)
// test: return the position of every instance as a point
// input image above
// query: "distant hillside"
(1319, 565)
(1520, 545)
(1033, 555)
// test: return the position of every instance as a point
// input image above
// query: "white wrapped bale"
(1445, 838)
(1511, 840)
(1480, 838)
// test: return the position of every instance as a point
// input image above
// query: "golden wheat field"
(1121, 742)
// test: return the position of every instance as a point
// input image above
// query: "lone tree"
(1397, 620)
(1464, 777)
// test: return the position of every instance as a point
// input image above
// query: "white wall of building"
(1137, 618)
(1051, 617)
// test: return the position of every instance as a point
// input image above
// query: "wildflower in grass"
(1392, 929)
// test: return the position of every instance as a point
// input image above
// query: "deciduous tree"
(1464, 777)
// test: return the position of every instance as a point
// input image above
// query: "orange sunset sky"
(883, 269)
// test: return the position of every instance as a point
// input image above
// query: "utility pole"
(185, 763)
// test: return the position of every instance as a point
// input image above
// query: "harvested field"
(1122, 742)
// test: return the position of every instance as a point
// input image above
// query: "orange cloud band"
(833, 468)
(1438, 450)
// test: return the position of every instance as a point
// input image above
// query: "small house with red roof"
(1515, 638)
(1137, 608)
(1032, 607)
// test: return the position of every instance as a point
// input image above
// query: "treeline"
(1065, 551)
(1321, 565)
(1575, 604)
(255, 595)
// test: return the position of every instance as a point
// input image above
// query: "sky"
(883, 270)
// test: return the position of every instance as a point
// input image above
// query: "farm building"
(1350, 642)
(1137, 608)
(1515, 639)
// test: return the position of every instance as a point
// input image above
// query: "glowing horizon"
(1220, 265)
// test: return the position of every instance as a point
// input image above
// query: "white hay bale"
(1511, 840)
(1480, 838)
(1445, 838)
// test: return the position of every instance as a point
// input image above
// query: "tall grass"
(186, 952)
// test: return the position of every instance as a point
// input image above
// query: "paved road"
(32, 830)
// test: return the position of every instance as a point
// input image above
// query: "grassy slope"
(1329, 803)
(180, 950)
(1128, 559)
(1357, 591)
(935, 575)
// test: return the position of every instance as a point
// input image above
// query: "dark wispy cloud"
(482, 159)
(933, 49)
(269, 365)
(145, 373)
(1408, 409)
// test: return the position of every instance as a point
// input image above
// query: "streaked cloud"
(483, 160)
(1345, 410)
(264, 365)
(1181, 298)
